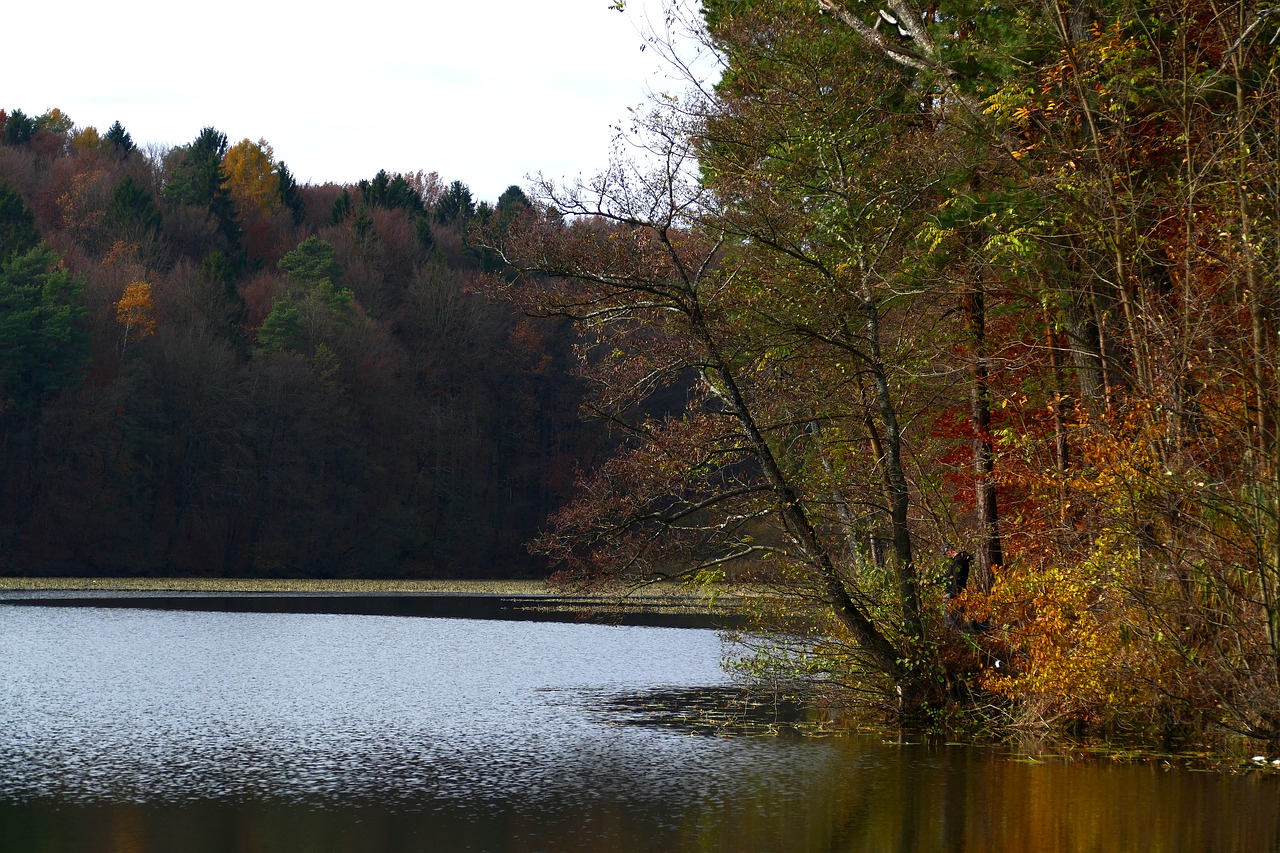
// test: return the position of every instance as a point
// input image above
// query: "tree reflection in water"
(146, 732)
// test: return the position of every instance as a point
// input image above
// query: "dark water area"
(646, 611)
(145, 730)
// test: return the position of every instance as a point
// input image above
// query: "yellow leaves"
(1112, 45)
(120, 252)
(56, 121)
(87, 141)
(1121, 458)
(1009, 104)
(136, 311)
(252, 178)
(1085, 644)
(936, 237)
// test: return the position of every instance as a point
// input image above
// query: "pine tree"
(120, 140)
(18, 232)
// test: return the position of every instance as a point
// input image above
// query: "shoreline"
(294, 585)
(668, 605)
(655, 605)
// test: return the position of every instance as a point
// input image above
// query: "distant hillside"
(207, 368)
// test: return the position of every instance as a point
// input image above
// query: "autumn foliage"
(952, 327)
(136, 312)
(204, 371)
(972, 324)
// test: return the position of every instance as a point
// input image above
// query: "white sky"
(483, 92)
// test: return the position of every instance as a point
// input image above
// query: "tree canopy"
(950, 286)
(203, 370)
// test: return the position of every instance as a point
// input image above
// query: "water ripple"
(123, 705)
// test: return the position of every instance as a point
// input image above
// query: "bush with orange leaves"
(1142, 608)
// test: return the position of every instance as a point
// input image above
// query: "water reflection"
(156, 731)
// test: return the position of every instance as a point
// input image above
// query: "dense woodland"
(206, 368)
(955, 324)
(982, 302)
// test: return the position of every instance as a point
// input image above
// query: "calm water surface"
(130, 730)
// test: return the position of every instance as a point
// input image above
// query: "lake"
(141, 730)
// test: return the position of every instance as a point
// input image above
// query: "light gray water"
(131, 730)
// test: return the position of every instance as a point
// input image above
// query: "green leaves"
(19, 128)
(120, 140)
(42, 347)
(311, 262)
(18, 232)
(197, 177)
(133, 210)
(314, 309)
(455, 205)
(282, 330)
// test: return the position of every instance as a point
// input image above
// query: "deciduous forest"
(979, 303)
(208, 369)
(952, 325)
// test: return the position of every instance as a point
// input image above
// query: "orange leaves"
(136, 312)
(1128, 607)
(120, 252)
(1083, 641)
(82, 206)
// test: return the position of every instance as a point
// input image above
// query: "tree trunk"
(794, 515)
(899, 495)
(990, 554)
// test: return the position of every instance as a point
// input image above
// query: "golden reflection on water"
(876, 798)
(126, 830)
(131, 732)
(957, 799)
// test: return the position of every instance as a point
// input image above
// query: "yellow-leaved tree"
(136, 311)
(252, 177)
(87, 140)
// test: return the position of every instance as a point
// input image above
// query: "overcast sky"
(483, 92)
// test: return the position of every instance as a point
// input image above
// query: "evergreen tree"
(282, 330)
(341, 209)
(289, 194)
(311, 262)
(19, 128)
(400, 194)
(362, 223)
(18, 232)
(426, 237)
(133, 210)
(42, 347)
(197, 178)
(455, 205)
(313, 309)
(513, 199)
(120, 140)
(392, 192)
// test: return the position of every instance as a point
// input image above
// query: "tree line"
(208, 368)
(978, 306)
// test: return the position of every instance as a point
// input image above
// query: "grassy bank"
(651, 598)
(285, 585)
